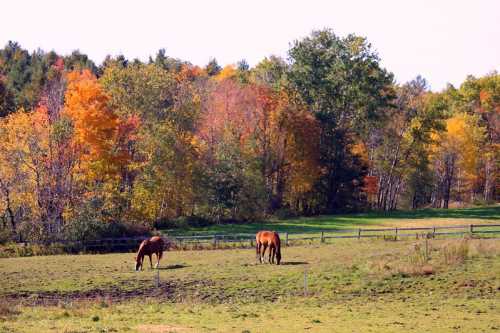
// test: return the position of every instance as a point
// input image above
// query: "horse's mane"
(142, 248)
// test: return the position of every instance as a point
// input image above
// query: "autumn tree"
(481, 96)
(94, 122)
(456, 156)
(166, 105)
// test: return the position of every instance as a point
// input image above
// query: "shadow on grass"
(294, 263)
(177, 266)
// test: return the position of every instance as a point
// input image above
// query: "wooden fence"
(244, 240)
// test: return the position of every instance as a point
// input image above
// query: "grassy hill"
(423, 217)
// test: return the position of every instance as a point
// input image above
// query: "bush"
(93, 229)
(182, 222)
(284, 214)
(28, 250)
(90, 223)
(5, 236)
(482, 202)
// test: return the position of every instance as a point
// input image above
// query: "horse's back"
(157, 243)
(267, 236)
(152, 245)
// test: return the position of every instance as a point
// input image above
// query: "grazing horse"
(265, 239)
(149, 246)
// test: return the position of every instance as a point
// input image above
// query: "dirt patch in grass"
(7, 309)
(168, 291)
(162, 328)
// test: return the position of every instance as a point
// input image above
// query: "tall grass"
(454, 253)
(425, 258)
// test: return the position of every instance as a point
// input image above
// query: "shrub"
(90, 224)
(28, 250)
(284, 213)
(482, 202)
(5, 236)
(182, 222)
(93, 229)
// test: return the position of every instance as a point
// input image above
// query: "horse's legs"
(264, 248)
(272, 253)
(257, 252)
(158, 257)
(150, 260)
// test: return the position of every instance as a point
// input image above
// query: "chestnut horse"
(271, 239)
(149, 246)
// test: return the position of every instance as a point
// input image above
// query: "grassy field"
(310, 225)
(352, 286)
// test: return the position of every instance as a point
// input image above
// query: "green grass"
(353, 285)
(309, 225)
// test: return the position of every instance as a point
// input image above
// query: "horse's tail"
(257, 244)
(163, 246)
(278, 247)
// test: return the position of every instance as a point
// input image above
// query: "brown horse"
(265, 239)
(149, 246)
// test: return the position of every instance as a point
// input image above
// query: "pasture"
(362, 285)
(316, 224)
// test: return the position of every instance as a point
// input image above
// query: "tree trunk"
(448, 179)
(488, 181)
(9, 205)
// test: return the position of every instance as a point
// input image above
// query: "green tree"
(7, 104)
(342, 82)
(213, 67)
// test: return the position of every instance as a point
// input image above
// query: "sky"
(442, 40)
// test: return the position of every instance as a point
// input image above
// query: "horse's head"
(278, 256)
(138, 263)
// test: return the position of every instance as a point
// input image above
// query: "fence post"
(426, 249)
(305, 282)
(359, 233)
(286, 238)
(322, 237)
(433, 232)
(215, 241)
(157, 279)
(396, 234)
(471, 228)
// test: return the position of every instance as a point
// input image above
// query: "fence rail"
(216, 240)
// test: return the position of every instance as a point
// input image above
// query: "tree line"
(87, 150)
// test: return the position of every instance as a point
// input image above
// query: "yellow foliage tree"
(456, 154)
(228, 72)
(95, 124)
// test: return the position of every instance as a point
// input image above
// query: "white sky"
(443, 40)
